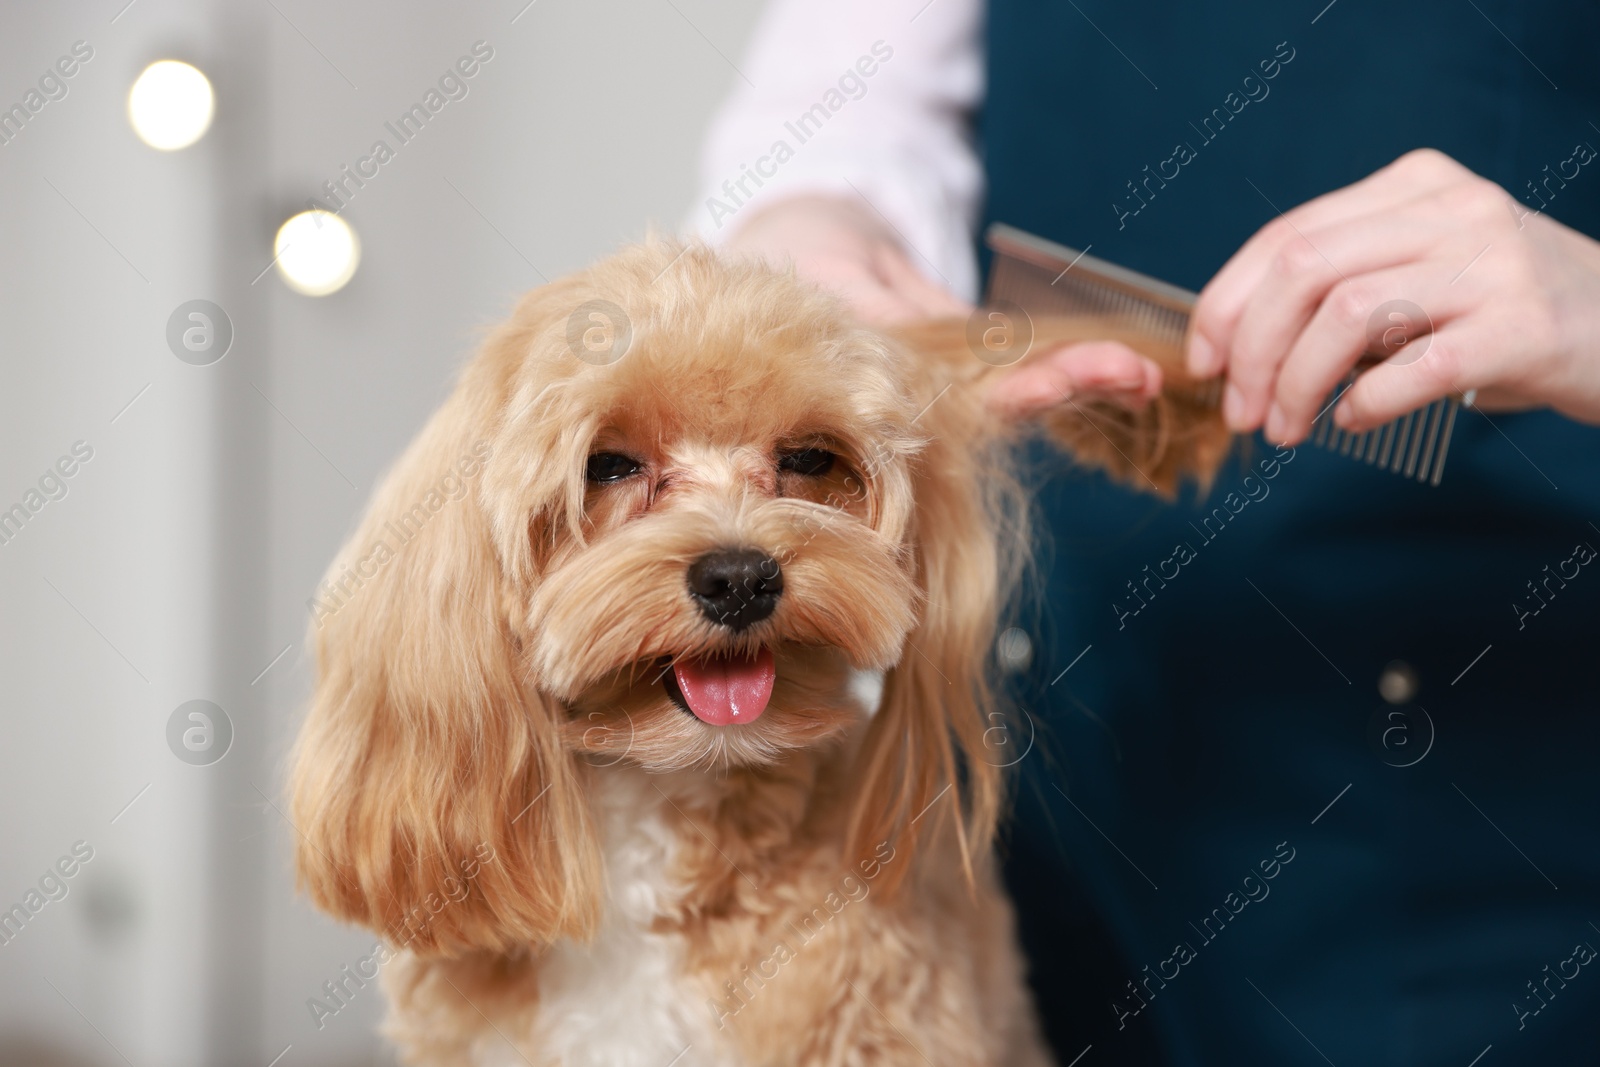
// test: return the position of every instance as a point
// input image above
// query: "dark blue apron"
(1230, 847)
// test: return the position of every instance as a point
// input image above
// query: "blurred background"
(185, 438)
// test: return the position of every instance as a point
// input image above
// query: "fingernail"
(1202, 357)
(1343, 415)
(1233, 405)
(1276, 423)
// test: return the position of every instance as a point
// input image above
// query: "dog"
(671, 738)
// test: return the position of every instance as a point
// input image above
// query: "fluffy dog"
(672, 741)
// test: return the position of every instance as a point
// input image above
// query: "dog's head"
(672, 513)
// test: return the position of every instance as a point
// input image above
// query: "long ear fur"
(924, 761)
(433, 799)
(1179, 436)
(928, 738)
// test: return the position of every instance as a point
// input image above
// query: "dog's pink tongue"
(722, 690)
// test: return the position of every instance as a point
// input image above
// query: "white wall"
(179, 562)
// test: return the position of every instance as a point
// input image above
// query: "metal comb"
(1045, 279)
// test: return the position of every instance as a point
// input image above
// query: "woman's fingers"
(1305, 275)
(1098, 369)
(1450, 362)
(865, 291)
(1222, 302)
(931, 298)
(1390, 313)
(837, 244)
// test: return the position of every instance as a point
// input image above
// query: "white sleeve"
(857, 97)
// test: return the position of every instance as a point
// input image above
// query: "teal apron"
(1230, 847)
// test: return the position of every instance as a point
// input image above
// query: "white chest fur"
(622, 1000)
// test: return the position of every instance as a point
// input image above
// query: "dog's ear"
(924, 761)
(928, 759)
(432, 797)
(1177, 438)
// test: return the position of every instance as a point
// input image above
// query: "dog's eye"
(611, 467)
(811, 461)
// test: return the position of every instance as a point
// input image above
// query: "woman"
(1328, 792)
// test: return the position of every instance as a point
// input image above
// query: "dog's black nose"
(736, 587)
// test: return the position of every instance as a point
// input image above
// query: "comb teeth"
(1414, 445)
(1044, 278)
(1079, 292)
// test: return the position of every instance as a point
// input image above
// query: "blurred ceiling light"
(170, 105)
(317, 252)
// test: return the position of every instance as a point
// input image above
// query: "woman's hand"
(1509, 302)
(843, 246)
